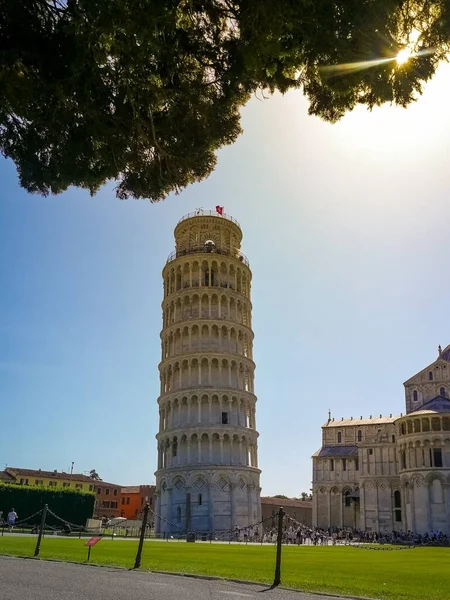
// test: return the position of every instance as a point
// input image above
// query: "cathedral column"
(169, 510)
(446, 492)
(329, 508)
(211, 506)
(403, 508)
(377, 504)
(233, 506)
(158, 512)
(428, 506)
(249, 504)
(412, 500)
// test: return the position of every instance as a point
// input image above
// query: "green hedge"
(71, 505)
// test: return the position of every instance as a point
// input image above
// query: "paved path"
(22, 579)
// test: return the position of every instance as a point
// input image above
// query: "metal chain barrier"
(235, 531)
(65, 522)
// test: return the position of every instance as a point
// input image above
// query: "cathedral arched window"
(359, 435)
(430, 375)
(339, 438)
(397, 506)
(415, 396)
(442, 392)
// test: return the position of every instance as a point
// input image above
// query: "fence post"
(277, 579)
(41, 530)
(137, 562)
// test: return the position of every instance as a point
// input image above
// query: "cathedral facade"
(207, 477)
(392, 473)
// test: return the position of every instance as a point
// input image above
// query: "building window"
(91, 488)
(79, 486)
(24, 482)
(370, 451)
(174, 448)
(359, 435)
(224, 418)
(397, 507)
(105, 504)
(339, 439)
(99, 490)
(442, 392)
(348, 500)
(39, 482)
(199, 499)
(179, 514)
(332, 464)
(66, 484)
(128, 499)
(106, 491)
(115, 492)
(415, 396)
(403, 455)
(123, 500)
(393, 439)
(437, 457)
(344, 464)
(430, 375)
(52, 484)
(113, 504)
(356, 464)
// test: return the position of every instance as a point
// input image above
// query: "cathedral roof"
(332, 451)
(445, 355)
(435, 406)
(356, 422)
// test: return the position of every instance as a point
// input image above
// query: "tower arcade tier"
(207, 477)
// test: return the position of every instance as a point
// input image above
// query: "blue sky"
(346, 228)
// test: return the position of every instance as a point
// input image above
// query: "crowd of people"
(301, 534)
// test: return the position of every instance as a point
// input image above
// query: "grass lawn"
(416, 574)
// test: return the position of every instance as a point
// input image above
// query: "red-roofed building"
(133, 500)
(107, 500)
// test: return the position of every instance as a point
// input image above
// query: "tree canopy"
(144, 92)
(94, 475)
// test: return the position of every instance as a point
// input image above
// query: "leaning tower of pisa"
(207, 477)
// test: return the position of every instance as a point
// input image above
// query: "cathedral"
(385, 474)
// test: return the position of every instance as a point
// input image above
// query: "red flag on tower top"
(219, 209)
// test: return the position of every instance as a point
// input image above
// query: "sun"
(403, 56)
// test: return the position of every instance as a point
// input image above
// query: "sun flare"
(403, 56)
